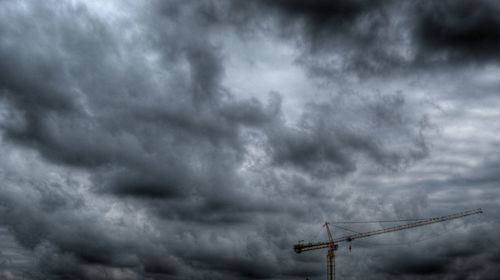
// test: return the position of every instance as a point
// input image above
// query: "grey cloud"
(457, 31)
(169, 142)
(464, 258)
(324, 146)
(139, 106)
(89, 134)
(72, 242)
(418, 266)
(367, 38)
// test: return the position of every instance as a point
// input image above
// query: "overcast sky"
(202, 139)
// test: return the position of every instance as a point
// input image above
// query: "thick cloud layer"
(460, 30)
(147, 140)
(381, 37)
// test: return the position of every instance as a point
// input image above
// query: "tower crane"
(332, 243)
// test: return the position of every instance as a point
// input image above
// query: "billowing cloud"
(458, 31)
(132, 148)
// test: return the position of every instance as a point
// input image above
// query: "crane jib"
(301, 247)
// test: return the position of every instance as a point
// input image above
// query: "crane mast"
(332, 246)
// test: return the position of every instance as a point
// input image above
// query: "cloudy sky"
(202, 139)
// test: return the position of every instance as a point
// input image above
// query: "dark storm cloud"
(140, 141)
(77, 102)
(325, 147)
(367, 38)
(333, 36)
(418, 266)
(458, 31)
(456, 255)
(140, 106)
(319, 14)
(70, 243)
(115, 121)
(191, 113)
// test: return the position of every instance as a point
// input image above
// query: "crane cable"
(380, 221)
(344, 228)
(432, 236)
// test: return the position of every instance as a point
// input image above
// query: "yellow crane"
(332, 246)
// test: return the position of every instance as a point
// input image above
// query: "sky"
(187, 139)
